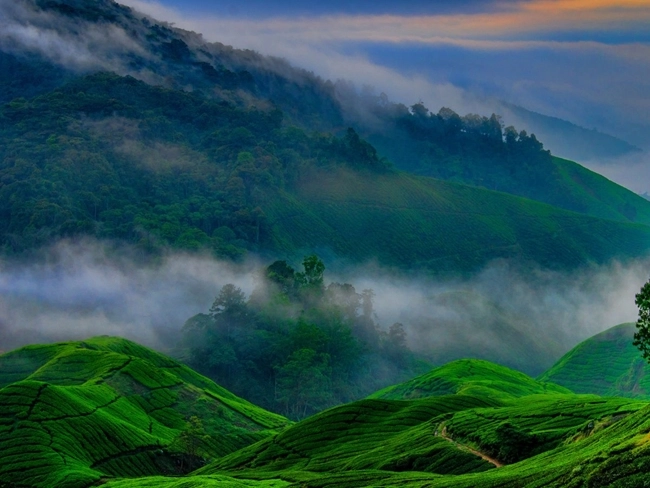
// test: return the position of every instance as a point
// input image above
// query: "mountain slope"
(113, 157)
(405, 221)
(108, 407)
(447, 146)
(470, 377)
(605, 364)
(565, 138)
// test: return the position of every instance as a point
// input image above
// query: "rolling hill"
(108, 411)
(605, 364)
(72, 414)
(470, 377)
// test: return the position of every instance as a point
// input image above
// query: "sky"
(586, 61)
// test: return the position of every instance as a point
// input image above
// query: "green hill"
(470, 377)
(453, 440)
(605, 364)
(407, 220)
(74, 413)
(109, 412)
(368, 434)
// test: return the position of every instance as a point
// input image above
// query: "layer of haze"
(525, 319)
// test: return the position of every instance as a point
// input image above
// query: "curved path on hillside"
(443, 433)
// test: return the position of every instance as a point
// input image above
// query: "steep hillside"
(113, 157)
(606, 364)
(470, 377)
(74, 413)
(469, 149)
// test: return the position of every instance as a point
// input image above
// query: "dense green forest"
(115, 158)
(296, 346)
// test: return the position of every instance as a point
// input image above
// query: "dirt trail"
(443, 433)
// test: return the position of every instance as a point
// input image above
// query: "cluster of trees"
(470, 149)
(296, 346)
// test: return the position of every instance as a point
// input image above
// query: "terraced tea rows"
(107, 411)
(605, 364)
(74, 413)
(369, 434)
(470, 377)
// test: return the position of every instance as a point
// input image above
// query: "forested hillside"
(115, 158)
(162, 139)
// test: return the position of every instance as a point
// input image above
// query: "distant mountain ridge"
(566, 139)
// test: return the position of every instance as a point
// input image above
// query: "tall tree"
(642, 335)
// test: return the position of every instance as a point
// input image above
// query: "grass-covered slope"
(614, 452)
(552, 439)
(368, 434)
(605, 364)
(470, 377)
(74, 413)
(532, 425)
(406, 220)
(590, 193)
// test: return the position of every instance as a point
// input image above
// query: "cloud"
(74, 43)
(518, 316)
(511, 20)
(522, 317)
(81, 289)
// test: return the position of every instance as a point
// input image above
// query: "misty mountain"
(124, 128)
(566, 139)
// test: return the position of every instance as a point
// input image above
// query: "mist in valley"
(518, 316)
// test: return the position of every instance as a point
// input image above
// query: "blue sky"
(587, 61)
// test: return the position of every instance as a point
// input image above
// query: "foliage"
(297, 346)
(642, 335)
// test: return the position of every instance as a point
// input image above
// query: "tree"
(303, 383)
(189, 443)
(231, 302)
(642, 335)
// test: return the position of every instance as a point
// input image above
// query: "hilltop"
(605, 364)
(470, 377)
(79, 412)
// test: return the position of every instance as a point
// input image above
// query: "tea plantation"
(109, 412)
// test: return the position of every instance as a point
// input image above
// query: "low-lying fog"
(521, 318)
